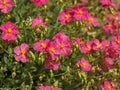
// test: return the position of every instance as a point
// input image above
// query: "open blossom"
(116, 41)
(83, 1)
(80, 12)
(21, 53)
(6, 5)
(9, 31)
(79, 41)
(105, 44)
(96, 44)
(91, 20)
(107, 85)
(105, 2)
(87, 47)
(112, 52)
(84, 64)
(63, 43)
(41, 45)
(39, 2)
(110, 27)
(65, 17)
(37, 22)
(52, 50)
(108, 63)
(47, 88)
(52, 64)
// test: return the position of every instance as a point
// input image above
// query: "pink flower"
(116, 41)
(41, 45)
(112, 52)
(87, 47)
(44, 88)
(39, 2)
(105, 2)
(80, 12)
(84, 64)
(52, 64)
(65, 17)
(96, 44)
(9, 31)
(6, 5)
(61, 36)
(63, 43)
(21, 53)
(47, 88)
(37, 22)
(105, 44)
(83, 1)
(91, 20)
(107, 85)
(108, 63)
(110, 28)
(52, 49)
(79, 41)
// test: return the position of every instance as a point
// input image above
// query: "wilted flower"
(21, 53)
(6, 5)
(9, 31)
(84, 64)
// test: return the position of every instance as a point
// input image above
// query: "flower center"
(62, 46)
(110, 26)
(98, 45)
(9, 31)
(4, 3)
(90, 20)
(108, 88)
(52, 50)
(83, 65)
(43, 45)
(66, 17)
(22, 52)
(118, 41)
(88, 48)
(80, 12)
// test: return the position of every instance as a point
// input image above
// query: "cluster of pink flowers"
(109, 47)
(21, 53)
(6, 5)
(60, 46)
(39, 2)
(9, 31)
(107, 85)
(47, 88)
(79, 13)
